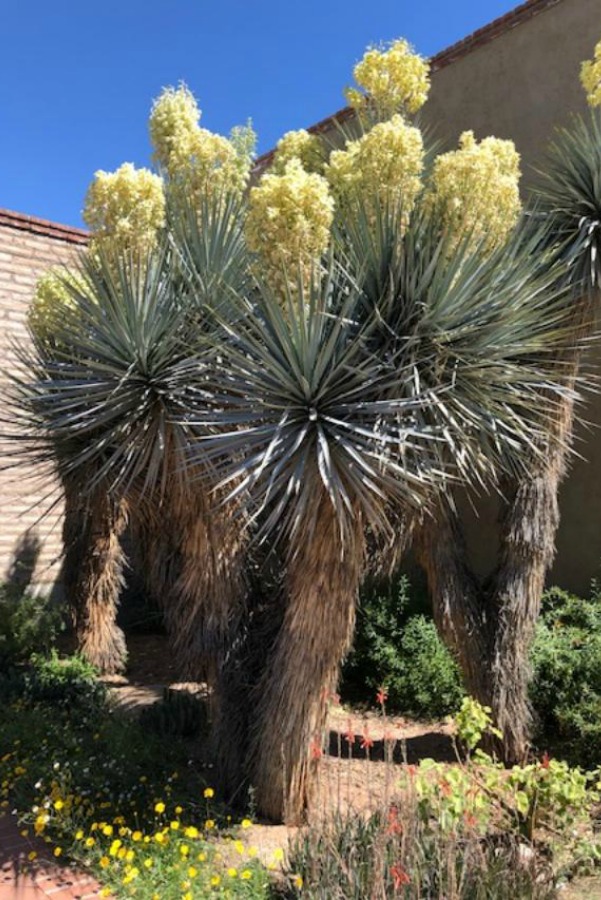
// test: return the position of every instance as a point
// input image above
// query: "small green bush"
(71, 684)
(398, 648)
(28, 625)
(566, 685)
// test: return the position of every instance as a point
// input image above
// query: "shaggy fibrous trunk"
(490, 627)
(322, 582)
(460, 613)
(193, 553)
(93, 575)
(527, 551)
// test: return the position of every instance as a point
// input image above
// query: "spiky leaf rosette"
(481, 331)
(304, 407)
(420, 360)
(568, 192)
(115, 396)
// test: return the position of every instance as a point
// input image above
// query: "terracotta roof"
(479, 38)
(10, 219)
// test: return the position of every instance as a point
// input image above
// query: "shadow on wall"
(25, 559)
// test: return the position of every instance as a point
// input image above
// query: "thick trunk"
(460, 614)
(93, 575)
(490, 628)
(193, 556)
(322, 582)
(527, 550)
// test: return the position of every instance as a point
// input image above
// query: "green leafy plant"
(28, 624)
(70, 683)
(566, 686)
(397, 646)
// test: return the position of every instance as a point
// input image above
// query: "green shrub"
(566, 685)
(28, 625)
(398, 647)
(70, 684)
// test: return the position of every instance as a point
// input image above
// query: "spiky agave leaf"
(114, 396)
(568, 192)
(207, 236)
(482, 332)
(303, 406)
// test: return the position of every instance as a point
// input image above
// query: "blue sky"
(77, 78)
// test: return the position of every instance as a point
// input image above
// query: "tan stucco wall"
(24, 255)
(521, 86)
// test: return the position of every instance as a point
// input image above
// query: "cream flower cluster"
(590, 76)
(475, 189)
(288, 224)
(193, 158)
(302, 146)
(393, 80)
(125, 209)
(383, 166)
(51, 299)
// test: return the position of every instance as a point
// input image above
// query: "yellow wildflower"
(474, 190)
(208, 793)
(104, 862)
(159, 808)
(246, 874)
(58, 805)
(125, 209)
(136, 836)
(288, 224)
(58, 851)
(246, 823)
(590, 76)
(393, 80)
(192, 872)
(383, 166)
(306, 148)
(193, 158)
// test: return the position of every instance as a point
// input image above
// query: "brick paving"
(22, 879)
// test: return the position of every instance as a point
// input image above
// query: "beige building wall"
(522, 83)
(28, 247)
(518, 78)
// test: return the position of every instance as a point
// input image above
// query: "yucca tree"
(502, 612)
(416, 364)
(108, 410)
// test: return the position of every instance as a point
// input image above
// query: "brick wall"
(28, 246)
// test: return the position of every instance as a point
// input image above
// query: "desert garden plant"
(310, 367)
(502, 612)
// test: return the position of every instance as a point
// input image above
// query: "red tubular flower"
(349, 734)
(399, 876)
(366, 741)
(316, 750)
(545, 760)
(382, 696)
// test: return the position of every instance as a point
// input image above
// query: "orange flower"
(399, 877)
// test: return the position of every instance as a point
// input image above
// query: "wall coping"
(464, 47)
(34, 225)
